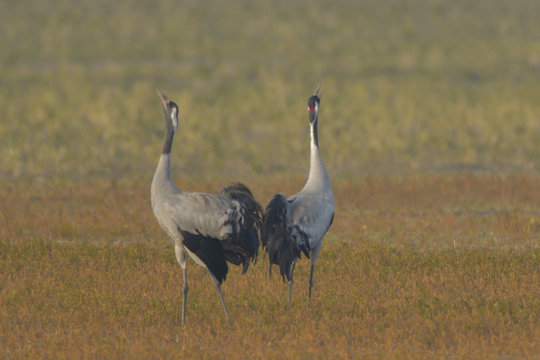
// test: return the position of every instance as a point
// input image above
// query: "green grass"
(426, 86)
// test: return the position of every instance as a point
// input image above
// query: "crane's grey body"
(207, 214)
(299, 223)
(312, 209)
(209, 228)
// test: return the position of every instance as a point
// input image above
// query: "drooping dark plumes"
(243, 247)
(210, 251)
(283, 242)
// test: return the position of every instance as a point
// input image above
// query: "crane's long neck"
(162, 177)
(318, 179)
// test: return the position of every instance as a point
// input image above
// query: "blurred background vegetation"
(419, 86)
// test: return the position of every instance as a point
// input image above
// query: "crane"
(212, 229)
(296, 225)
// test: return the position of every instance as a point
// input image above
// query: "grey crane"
(296, 225)
(210, 228)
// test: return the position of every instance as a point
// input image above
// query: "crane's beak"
(164, 99)
(317, 91)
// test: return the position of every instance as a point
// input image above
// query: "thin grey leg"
(290, 293)
(181, 257)
(185, 292)
(291, 282)
(311, 279)
(218, 288)
(314, 257)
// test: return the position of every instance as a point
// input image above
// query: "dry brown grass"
(85, 272)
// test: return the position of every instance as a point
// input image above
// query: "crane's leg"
(311, 279)
(291, 282)
(185, 292)
(218, 288)
(181, 257)
(314, 256)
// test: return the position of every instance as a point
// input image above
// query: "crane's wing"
(284, 242)
(216, 228)
(312, 214)
(206, 214)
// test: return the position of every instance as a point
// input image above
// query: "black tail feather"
(284, 243)
(245, 246)
(209, 251)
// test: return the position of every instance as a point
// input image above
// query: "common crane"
(210, 228)
(296, 225)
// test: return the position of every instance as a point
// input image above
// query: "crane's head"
(170, 111)
(313, 106)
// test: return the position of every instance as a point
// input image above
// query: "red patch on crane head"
(312, 103)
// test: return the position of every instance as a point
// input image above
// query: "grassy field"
(429, 127)
(432, 267)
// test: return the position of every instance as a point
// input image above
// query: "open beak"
(317, 91)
